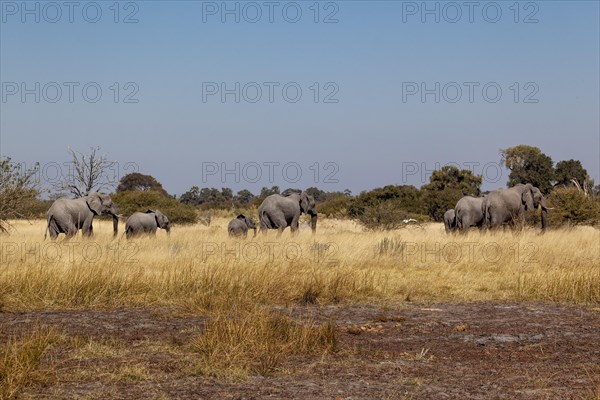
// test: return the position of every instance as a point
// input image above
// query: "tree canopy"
(141, 182)
(527, 164)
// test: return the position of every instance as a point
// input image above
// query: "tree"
(567, 171)
(191, 197)
(265, 192)
(244, 197)
(88, 173)
(527, 164)
(318, 194)
(18, 189)
(450, 177)
(141, 182)
(446, 186)
(227, 195)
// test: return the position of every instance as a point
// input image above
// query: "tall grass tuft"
(20, 358)
(258, 342)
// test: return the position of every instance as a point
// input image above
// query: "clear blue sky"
(372, 54)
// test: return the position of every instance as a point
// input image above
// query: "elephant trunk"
(544, 216)
(313, 222)
(115, 224)
(254, 231)
(168, 229)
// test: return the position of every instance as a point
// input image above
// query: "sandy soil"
(443, 351)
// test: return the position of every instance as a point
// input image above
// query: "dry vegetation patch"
(201, 269)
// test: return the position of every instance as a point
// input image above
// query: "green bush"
(436, 203)
(572, 207)
(335, 207)
(403, 197)
(386, 208)
(131, 201)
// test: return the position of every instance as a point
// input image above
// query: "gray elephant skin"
(147, 223)
(279, 212)
(507, 206)
(469, 212)
(239, 226)
(69, 215)
(449, 220)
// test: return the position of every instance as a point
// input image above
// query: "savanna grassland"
(411, 313)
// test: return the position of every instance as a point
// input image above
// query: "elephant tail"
(458, 219)
(487, 216)
(265, 222)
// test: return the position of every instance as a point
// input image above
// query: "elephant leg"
(87, 229)
(53, 229)
(280, 231)
(53, 233)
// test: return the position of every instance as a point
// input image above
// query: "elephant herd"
(276, 212)
(501, 207)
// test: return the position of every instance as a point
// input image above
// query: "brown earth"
(445, 351)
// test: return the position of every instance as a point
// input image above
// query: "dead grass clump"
(258, 342)
(20, 358)
(579, 287)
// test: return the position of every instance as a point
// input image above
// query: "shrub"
(386, 208)
(335, 207)
(436, 203)
(131, 201)
(386, 216)
(572, 207)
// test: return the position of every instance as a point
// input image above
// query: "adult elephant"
(279, 212)
(506, 206)
(240, 225)
(69, 215)
(469, 212)
(140, 223)
(449, 220)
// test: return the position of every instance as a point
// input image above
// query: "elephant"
(279, 212)
(505, 206)
(140, 223)
(469, 212)
(69, 215)
(449, 220)
(239, 226)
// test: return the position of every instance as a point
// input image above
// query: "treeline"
(566, 186)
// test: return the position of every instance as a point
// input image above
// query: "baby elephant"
(240, 225)
(146, 223)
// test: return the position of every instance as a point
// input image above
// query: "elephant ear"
(94, 202)
(161, 220)
(149, 211)
(304, 202)
(527, 196)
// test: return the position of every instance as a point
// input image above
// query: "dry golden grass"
(199, 268)
(257, 342)
(20, 358)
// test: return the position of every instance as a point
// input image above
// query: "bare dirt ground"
(443, 351)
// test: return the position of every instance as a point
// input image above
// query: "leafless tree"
(91, 172)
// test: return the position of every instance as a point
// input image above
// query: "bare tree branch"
(89, 173)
